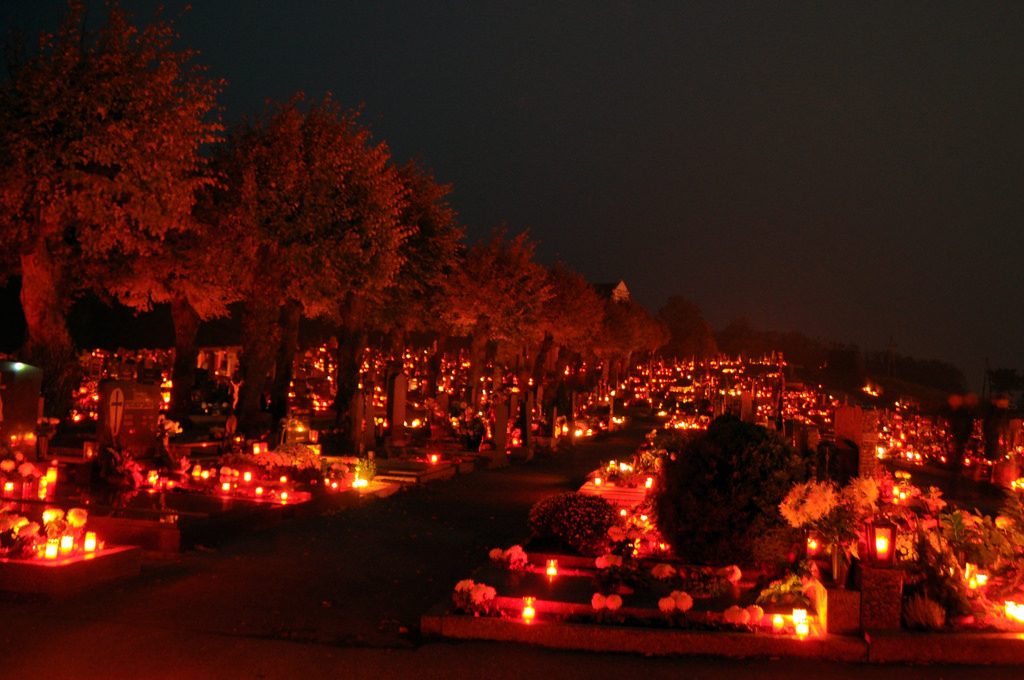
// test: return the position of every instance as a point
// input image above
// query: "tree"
(571, 318)
(317, 206)
(690, 335)
(496, 295)
(100, 136)
(628, 329)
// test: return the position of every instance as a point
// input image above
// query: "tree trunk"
(477, 350)
(260, 334)
(541, 360)
(349, 360)
(291, 315)
(183, 375)
(48, 343)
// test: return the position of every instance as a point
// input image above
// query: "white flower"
(732, 573)
(598, 601)
(496, 555)
(516, 558)
(736, 615)
(616, 534)
(613, 602)
(27, 470)
(7, 465)
(77, 517)
(756, 614)
(464, 585)
(663, 571)
(862, 495)
(481, 594)
(667, 605)
(684, 602)
(808, 502)
(29, 530)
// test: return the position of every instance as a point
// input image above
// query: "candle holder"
(881, 539)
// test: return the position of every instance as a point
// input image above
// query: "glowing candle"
(812, 546)
(649, 482)
(529, 613)
(799, 615)
(284, 479)
(51, 549)
(8, 487)
(598, 481)
(434, 458)
(882, 548)
(89, 544)
(259, 490)
(552, 569)
(67, 544)
(803, 629)
(284, 496)
(225, 487)
(205, 474)
(778, 623)
(51, 474)
(247, 477)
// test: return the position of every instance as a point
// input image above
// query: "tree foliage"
(100, 135)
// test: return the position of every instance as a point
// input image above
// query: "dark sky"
(852, 170)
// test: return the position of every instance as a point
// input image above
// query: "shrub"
(923, 613)
(578, 521)
(723, 491)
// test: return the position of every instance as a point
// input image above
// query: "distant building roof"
(613, 291)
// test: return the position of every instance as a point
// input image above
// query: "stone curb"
(652, 642)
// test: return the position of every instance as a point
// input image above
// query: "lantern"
(882, 543)
(778, 623)
(552, 569)
(434, 458)
(89, 544)
(67, 543)
(50, 551)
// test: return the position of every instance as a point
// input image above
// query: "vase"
(840, 567)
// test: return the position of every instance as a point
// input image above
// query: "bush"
(578, 521)
(723, 490)
(923, 613)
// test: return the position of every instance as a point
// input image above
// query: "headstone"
(500, 433)
(128, 413)
(20, 406)
(397, 387)
(849, 424)
(527, 433)
(747, 407)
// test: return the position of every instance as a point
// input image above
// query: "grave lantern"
(529, 613)
(881, 543)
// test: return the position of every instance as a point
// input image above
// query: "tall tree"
(571, 318)
(318, 205)
(100, 136)
(690, 334)
(496, 295)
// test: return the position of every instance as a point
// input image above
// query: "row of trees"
(118, 179)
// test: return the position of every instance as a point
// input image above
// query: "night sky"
(852, 170)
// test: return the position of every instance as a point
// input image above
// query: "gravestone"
(850, 424)
(747, 409)
(398, 386)
(128, 413)
(20, 405)
(498, 456)
(527, 433)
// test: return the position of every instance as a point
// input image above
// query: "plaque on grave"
(128, 413)
(19, 402)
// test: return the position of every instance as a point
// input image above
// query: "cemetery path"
(337, 596)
